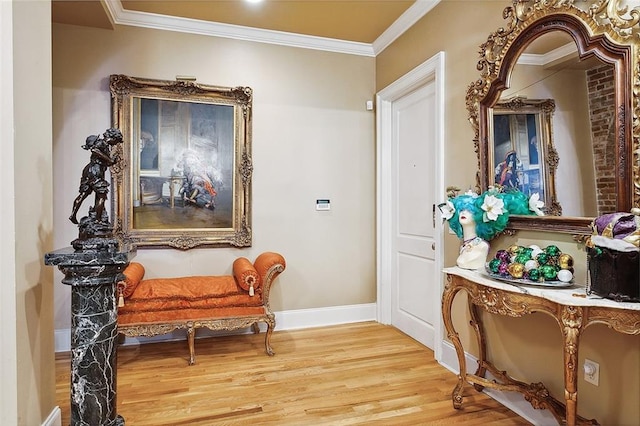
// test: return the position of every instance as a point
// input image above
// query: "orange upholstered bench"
(227, 302)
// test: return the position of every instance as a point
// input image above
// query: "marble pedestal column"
(92, 276)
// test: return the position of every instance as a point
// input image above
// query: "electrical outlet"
(591, 372)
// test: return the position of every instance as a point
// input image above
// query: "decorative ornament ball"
(503, 255)
(494, 265)
(565, 275)
(522, 258)
(552, 250)
(514, 249)
(542, 258)
(565, 261)
(530, 264)
(503, 268)
(516, 270)
(534, 274)
(548, 272)
(527, 251)
(535, 250)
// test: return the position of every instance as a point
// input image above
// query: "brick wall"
(600, 84)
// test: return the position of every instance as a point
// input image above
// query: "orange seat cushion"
(181, 294)
(186, 288)
(182, 315)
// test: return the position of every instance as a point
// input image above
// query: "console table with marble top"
(572, 309)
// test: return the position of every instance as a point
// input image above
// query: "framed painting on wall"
(186, 175)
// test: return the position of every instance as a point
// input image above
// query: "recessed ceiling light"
(253, 1)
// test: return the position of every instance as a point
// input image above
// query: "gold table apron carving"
(572, 313)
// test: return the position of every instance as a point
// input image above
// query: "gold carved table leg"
(476, 324)
(450, 291)
(572, 323)
(571, 326)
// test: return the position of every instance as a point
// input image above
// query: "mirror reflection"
(522, 150)
(581, 149)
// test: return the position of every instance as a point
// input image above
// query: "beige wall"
(27, 357)
(312, 138)
(527, 347)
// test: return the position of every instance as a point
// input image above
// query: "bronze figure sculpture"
(96, 225)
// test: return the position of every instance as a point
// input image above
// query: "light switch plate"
(323, 204)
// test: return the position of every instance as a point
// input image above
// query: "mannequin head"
(489, 211)
(466, 218)
(466, 213)
(469, 212)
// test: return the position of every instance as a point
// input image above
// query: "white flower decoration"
(471, 193)
(447, 209)
(535, 204)
(493, 207)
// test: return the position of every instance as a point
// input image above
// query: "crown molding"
(119, 16)
(562, 52)
(403, 23)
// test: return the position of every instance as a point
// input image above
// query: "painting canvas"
(187, 177)
(522, 154)
(516, 152)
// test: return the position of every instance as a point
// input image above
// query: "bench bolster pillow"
(133, 274)
(246, 275)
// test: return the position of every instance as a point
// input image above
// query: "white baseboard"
(285, 320)
(55, 418)
(62, 340)
(322, 317)
(512, 400)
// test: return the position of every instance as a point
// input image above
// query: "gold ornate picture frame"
(522, 154)
(185, 179)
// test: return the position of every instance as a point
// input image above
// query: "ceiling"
(361, 27)
(361, 21)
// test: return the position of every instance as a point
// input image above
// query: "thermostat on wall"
(323, 204)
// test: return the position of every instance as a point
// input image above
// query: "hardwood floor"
(355, 374)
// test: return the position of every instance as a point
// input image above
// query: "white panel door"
(415, 280)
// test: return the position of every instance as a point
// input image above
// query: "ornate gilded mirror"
(583, 57)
